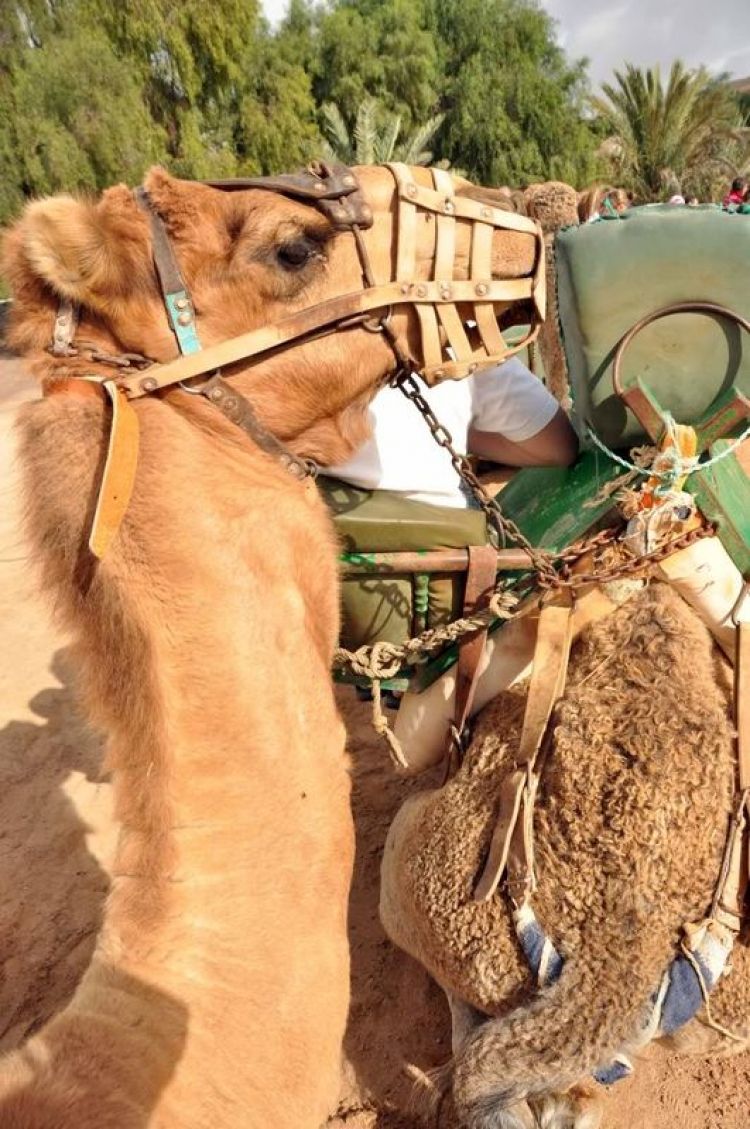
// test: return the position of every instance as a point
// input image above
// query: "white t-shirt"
(401, 454)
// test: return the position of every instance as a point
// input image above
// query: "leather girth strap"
(118, 478)
(480, 584)
(512, 847)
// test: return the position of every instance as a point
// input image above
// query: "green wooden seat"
(380, 604)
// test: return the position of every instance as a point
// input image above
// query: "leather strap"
(742, 700)
(480, 584)
(742, 722)
(334, 312)
(513, 829)
(176, 296)
(729, 898)
(332, 188)
(239, 411)
(118, 478)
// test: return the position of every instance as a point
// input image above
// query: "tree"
(379, 49)
(83, 123)
(192, 59)
(276, 126)
(24, 25)
(663, 138)
(376, 136)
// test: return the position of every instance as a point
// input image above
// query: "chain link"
(542, 561)
(383, 660)
(629, 567)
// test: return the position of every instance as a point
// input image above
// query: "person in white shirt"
(504, 414)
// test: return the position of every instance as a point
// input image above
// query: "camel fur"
(630, 825)
(554, 204)
(218, 992)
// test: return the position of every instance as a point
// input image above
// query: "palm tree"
(376, 136)
(661, 137)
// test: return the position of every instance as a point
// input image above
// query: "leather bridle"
(454, 343)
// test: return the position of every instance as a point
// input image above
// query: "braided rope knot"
(384, 660)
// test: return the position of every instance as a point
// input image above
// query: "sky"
(715, 33)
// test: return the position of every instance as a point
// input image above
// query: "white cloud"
(646, 32)
(643, 32)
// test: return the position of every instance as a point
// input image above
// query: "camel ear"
(90, 253)
(180, 203)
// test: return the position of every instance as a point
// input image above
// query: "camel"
(553, 204)
(218, 992)
(630, 825)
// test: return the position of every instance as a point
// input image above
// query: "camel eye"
(296, 254)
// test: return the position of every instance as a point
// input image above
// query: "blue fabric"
(532, 939)
(615, 1072)
(679, 1003)
(684, 997)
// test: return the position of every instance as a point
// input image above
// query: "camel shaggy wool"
(630, 825)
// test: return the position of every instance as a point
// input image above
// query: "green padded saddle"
(613, 272)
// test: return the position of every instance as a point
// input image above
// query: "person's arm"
(555, 445)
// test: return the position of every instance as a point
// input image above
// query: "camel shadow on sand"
(53, 887)
(398, 1015)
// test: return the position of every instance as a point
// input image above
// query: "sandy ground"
(57, 836)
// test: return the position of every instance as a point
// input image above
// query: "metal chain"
(542, 561)
(383, 660)
(631, 567)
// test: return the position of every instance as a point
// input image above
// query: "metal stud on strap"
(66, 323)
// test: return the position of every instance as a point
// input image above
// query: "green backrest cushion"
(613, 272)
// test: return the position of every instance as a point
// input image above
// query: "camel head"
(249, 259)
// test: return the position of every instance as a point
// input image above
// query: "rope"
(677, 466)
(709, 1021)
(384, 660)
(383, 729)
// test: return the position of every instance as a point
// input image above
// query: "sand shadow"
(53, 896)
(398, 1015)
(53, 888)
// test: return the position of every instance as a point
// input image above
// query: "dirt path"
(56, 837)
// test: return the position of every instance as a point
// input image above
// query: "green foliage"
(381, 49)
(376, 136)
(514, 104)
(276, 119)
(93, 91)
(666, 137)
(76, 131)
(192, 51)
